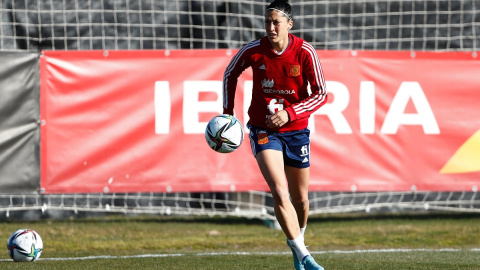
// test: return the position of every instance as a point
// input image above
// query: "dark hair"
(283, 6)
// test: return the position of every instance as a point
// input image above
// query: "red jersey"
(280, 82)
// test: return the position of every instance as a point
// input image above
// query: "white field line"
(251, 253)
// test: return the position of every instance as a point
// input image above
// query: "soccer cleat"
(296, 262)
(309, 263)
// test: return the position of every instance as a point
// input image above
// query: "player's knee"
(280, 196)
(303, 203)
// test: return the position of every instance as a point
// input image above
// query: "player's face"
(277, 26)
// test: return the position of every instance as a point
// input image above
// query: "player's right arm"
(237, 65)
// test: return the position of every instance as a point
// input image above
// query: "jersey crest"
(294, 70)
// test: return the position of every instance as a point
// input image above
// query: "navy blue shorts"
(295, 145)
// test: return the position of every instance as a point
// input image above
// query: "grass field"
(442, 241)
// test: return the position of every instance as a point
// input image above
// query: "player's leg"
(267, 149)
(271, 165)
(298, 179)
(297, 170)
(268, 153)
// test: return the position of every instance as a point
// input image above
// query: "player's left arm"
(318, 97)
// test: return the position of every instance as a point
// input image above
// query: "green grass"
(193, 240)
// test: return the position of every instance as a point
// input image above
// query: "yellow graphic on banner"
(467, 157)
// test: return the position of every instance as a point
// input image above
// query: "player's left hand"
(277, 120)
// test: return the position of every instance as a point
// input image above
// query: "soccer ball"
(224, 133)
(25, 245)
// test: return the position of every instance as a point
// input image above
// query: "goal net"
(436, 25)
(253, 204)
(440, 25)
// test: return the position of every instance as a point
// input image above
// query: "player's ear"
(290, 24)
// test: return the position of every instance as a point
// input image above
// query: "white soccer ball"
(224, 133)
(25, 245)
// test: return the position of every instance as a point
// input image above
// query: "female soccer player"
(283, 67)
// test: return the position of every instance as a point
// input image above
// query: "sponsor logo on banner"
(389, 113)
(466, 159)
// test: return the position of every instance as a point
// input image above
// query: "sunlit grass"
(193, 238)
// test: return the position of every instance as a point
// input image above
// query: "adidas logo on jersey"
(305, 160)
(263, 67)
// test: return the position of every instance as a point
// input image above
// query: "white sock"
(299, 247)
(302, 230)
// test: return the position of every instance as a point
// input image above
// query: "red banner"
(134, 121)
